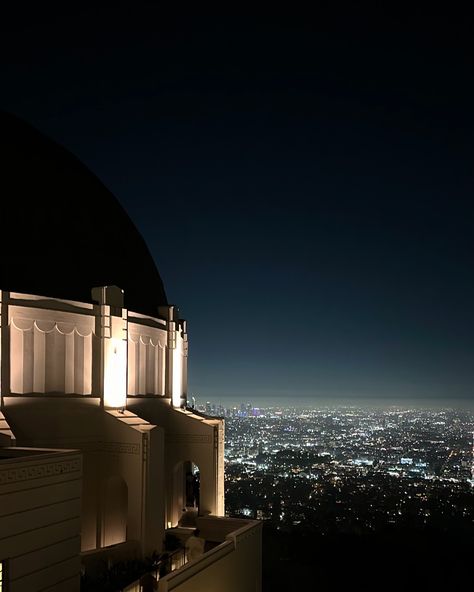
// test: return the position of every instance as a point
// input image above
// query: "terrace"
(231, 561)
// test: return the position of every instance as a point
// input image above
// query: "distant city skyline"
(316, 403)
(306, 195)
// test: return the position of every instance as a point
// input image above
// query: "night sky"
(307, 195)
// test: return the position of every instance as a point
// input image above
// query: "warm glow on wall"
(177, 387)
(115, 372)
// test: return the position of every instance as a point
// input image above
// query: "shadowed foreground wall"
(40, 506)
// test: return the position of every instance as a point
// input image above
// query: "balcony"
(231, 562)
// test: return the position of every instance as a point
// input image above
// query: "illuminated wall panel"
(115, 372)
(146, 360)
(47, 356)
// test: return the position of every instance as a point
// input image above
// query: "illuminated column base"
(177, 386)
(115, 372)
(114, 345)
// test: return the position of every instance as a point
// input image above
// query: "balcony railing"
(174, 560)
(236, 554)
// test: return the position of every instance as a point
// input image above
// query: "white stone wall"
(40, 521)
(50, 351)
(188, 437)
(146, 360)
(63, 347)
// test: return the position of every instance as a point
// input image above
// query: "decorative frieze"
(39, 471)
(119, 447)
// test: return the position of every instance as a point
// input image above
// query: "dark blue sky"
(307, 195)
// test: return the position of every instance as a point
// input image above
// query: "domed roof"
(62, 232)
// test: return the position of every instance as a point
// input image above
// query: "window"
(2, 573)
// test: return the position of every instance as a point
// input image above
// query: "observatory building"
(97, 446)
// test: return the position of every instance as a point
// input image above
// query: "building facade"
(94, 359)
(40, 518)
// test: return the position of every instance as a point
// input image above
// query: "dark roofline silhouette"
(62, 232)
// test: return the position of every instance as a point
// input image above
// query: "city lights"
(350, 469)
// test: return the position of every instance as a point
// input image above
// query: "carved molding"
(146, 335)
(49, 469)
(119, 447)
(145, 340)
(189, 439)
(110, 447)
(50, 325)
(90, 446)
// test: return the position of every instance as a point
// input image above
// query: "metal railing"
(165, 565)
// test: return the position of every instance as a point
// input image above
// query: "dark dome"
(62, 232)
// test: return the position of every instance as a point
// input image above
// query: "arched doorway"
(115, 511)
(186, 492)
(192, 485)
